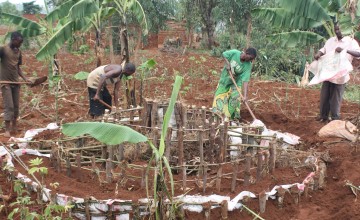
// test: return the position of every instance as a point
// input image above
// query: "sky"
(37, 2)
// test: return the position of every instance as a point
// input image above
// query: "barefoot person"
(10, 70)
(227, 98)
(97, 81)
(332, 90)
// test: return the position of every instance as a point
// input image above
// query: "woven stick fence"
(198, 142)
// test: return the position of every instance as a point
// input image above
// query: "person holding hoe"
(10, 71)
(99, 96)
(227, 97)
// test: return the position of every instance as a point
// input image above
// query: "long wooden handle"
(11, 82)
(104, 103)
(241, 96)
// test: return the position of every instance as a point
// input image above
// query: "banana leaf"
(306, 8)
(83, 9)
(56, 41)
(294, 38)
(60, 11)
(279, 17)
(82, 75)
(170, 109)
(23, 22)
(107, 133)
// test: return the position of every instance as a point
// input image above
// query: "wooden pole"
(247, 173)
(154, 114)
(120, 152)
(294, 190)
(262, 201)
(108, 171)
(272, 150)
(184, 177)
(104, 154)
(110, 150)
(143, 177)
(221, 159)
(212, 142)
(234, 176)
(68, 167)
(203, 116)
(259, 166)
(224, 209)
(78, 166)
(280, 196)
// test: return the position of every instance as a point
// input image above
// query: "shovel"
(35, 82)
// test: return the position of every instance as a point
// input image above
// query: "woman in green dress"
(227, 99)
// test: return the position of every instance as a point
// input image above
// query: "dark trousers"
(96, 108)
(11, 96)
(330, 99)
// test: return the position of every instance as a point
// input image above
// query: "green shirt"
(242, 71)
(9, 65)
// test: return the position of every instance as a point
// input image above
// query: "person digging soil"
(10, 70)
(99, 96)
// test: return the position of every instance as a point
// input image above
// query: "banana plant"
(113, 134)
(145, 69)
(80, 16)
(300, 21)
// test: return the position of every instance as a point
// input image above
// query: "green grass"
(352, 93)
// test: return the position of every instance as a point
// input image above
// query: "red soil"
(280, 106)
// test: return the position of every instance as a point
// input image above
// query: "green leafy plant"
(145, 69)
(82, 75)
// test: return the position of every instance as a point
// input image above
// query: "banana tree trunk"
(99, 51)
(125, 57)
(111, 45)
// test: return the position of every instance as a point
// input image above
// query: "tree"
(31, 8)
(206, 8)
(8, 7)
(309, 21)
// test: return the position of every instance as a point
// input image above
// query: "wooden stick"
(108, 171)
(120, 152)
(280, 196)
(259, 166)
(272, 150)
(224, 209)
(221, 159)
(184, 177)
(247, 173)
(262, 201)
(203, 116)
(105, 104)
(234, 176)
(68, 167)
(78, 165)
(241, 96)
(154, 114)
(212, 142)
(296, 194)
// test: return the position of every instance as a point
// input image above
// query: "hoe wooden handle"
(104, 103)
(241, 96)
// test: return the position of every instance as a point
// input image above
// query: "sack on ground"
(341, 129)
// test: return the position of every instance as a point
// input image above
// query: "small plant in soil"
(35, 164)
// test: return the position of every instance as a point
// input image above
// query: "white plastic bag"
(329, 67)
